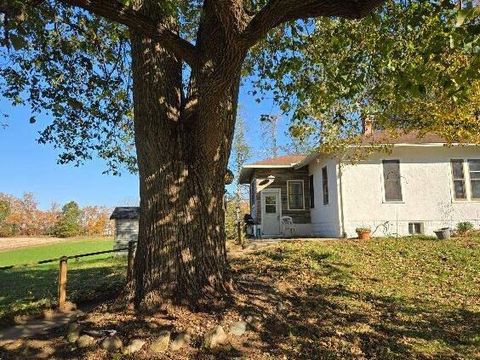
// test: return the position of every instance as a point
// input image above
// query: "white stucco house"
(419, 186)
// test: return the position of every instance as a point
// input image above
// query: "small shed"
(126, 225)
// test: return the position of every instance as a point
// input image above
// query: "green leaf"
(18, 42)
(461, 16)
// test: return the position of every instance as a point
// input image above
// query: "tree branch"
(115, 11)
(231, 14)
(277, 12)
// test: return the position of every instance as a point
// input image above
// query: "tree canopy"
(411, 65)
(414, 64)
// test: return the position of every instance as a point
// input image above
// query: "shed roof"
(126, 212)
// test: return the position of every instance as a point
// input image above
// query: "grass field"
(384, 299)
(27, 290)
(64, 248)
(407, 298)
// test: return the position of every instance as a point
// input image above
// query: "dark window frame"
(457, 179)
(325, 191)
(473, 179)
(415, 228)
(301, 195)
(390, 179)
(312, 192)
(253, 194)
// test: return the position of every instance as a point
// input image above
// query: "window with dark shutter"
(253, 193)
(325, 185)
(312, 193)
(459, 190)
(474, 170)
(392, 180)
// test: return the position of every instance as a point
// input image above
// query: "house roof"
(279, 162)
(409, 138)
(379, 137)
(126, 213)
(287, 161)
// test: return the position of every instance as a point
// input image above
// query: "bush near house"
(464, 227)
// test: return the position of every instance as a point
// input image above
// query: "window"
(295, 195)
(392, 180)
(459, 191)
(474, 172)
(325, 185)
(270, 204)
(415, 228)
(312, 193)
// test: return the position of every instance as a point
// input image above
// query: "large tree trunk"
(182, 150)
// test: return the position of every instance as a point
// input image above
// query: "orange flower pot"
(364, 235)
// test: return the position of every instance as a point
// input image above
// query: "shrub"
(8, 230)
(5, 210)
(464, 227)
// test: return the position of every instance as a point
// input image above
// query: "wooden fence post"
(131, 251)
(62, 283)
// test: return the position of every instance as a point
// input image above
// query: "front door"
(271, 212)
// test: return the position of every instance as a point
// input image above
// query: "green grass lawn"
(27, 290)
(64, 248)
(384, 299)
(407, 298)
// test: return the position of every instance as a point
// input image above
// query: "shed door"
(271, 212)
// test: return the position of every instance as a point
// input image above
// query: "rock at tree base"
(160, 344)
(238, 328)
(180, 341)
(215, 338)
(135, 346)
(73, 332)
(78, 315)
(85, 341)
(254, 323)
(68, 307)
(112, 343)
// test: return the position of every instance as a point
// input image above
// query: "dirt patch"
(8, 244)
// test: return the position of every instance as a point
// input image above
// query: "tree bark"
(183, 145)
(182, 150)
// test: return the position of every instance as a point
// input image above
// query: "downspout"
(340, 195)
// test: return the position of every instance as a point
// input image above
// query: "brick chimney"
(367, 124)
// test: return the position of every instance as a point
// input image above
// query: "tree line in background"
(22, 217)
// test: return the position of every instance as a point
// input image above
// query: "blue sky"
(26, 166)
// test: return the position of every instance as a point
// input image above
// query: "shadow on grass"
(302, 318)
(321, 321)
(26, 291)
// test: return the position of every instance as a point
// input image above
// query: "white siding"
(426, 186)
(125, 231)
(325, 218)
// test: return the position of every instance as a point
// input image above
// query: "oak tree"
(73, 59)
